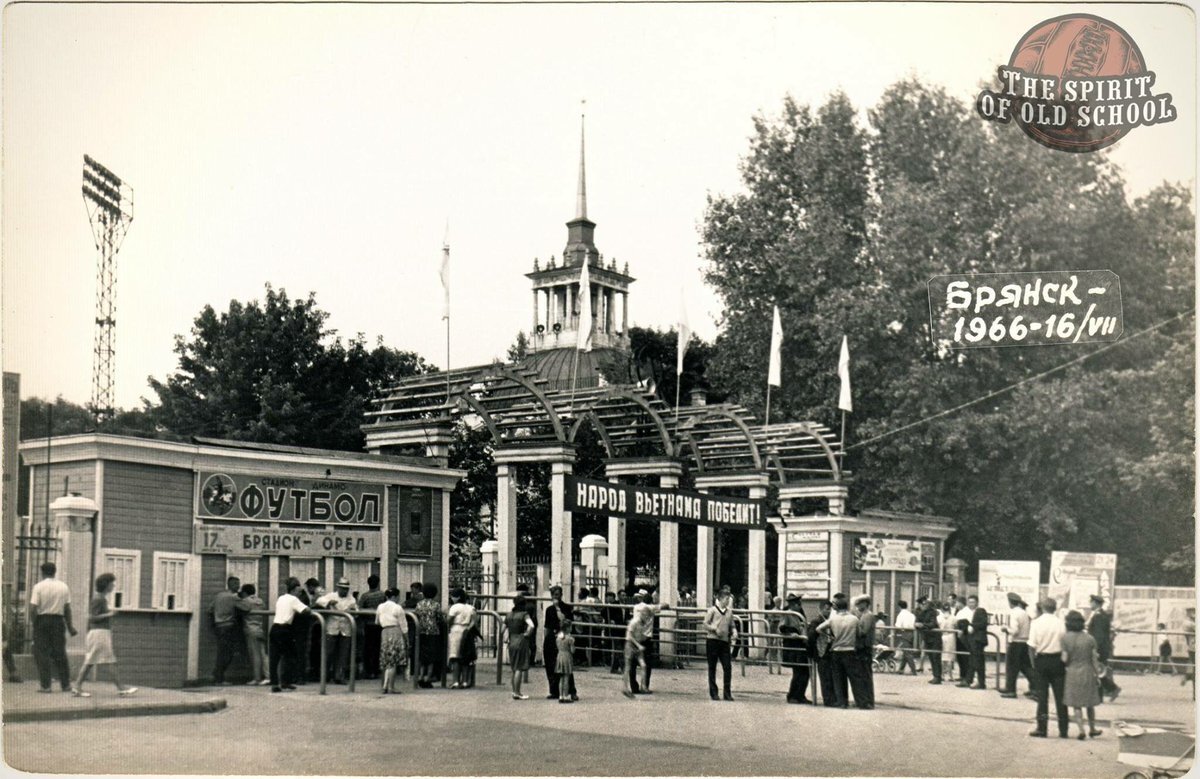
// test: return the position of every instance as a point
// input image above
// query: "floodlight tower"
(110, 210)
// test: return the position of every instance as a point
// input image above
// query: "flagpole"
(767, 422)
(678, 381)
(842, 458)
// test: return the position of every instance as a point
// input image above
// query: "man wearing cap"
(1099, 624)
(795, 643)
(556, 612)
(842, 628)
(1016, 660)
(338, 630)
(864, 649)
(818, 652)
(719, 633)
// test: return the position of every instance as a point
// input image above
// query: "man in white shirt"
(284, 656)
(338, 630)
(962, 652)
(50, 604)
(1045, 647)
(906, 623)
(1017, 660)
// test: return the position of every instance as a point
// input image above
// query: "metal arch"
(687, 439)
(829, 455)
(715, 412)
(552, 415)
(601, 430)
(773, 458)
(611, 393)
(465, 399)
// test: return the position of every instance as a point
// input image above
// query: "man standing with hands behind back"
(719, 633)
(931, 637)
(50, 601)
(1045, 645)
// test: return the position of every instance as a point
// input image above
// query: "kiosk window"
(245, 568)
(357, 571)
(126, 565)
(304, 569)
(171, 581)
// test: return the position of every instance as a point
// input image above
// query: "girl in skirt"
(99, 648)
(566, 663)
(393, 651)
(520, 629)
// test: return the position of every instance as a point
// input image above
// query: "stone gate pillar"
(616, 549)
(506, 528)
(73, 517)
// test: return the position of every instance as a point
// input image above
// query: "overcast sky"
(324, 148)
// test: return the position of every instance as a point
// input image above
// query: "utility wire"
(1027, 380)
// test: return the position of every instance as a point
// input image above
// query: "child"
(467, 654)
(1164, 652)
(566, 662)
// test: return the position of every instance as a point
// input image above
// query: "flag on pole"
(685, 334)
(445, 273)
(844, 374)
(773, 370)
(585, 310)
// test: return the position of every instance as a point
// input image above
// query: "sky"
(324, 148)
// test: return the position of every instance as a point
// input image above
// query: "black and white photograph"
(786, 388)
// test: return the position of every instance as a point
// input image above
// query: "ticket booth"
(174, 520)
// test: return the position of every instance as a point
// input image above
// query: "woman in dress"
(430, 622)
(461, 620)
(1082, 687)
(99, 639)
(565, 665)
(520, 627)
(949, 639)
(393, 647)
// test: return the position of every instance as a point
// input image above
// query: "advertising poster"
(1135, 614)
(1173, 614)
(886, 554)
(1076, 576)
(997, 578)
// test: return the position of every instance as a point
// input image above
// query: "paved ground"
(917, 730)
(23, 703)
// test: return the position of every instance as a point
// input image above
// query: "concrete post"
(668, 575)
(490, 556)
(593, 550)
(560, 527)
(73, 517)
(756, 570)
(506, 527)
(616, 549)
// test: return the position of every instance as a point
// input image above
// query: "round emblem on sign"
(218, 494)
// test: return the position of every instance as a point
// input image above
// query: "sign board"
(1172, 612)
(660, 505)
(997, 578)
(886, 554)
(1135, 614)
(806, 564)
(275, 541)
(236, 496)
(1076, 576)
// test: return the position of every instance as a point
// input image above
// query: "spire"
(581, 196)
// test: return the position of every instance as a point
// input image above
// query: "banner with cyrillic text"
(284, 499)
(277, 541)
(662, 505)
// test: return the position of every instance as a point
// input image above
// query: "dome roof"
(558, 367)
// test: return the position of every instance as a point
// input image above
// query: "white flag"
(585, 310)
(776, 351)
(445, 274)
(844, 374)
(685, 334)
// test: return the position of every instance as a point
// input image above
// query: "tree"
(1063, 462)
(655, 353)
(272, 372)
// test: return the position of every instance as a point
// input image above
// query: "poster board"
(1076, 576)
(1135, 614)
(997, 578)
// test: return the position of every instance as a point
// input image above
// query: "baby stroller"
(1156, 753)
(884, 659)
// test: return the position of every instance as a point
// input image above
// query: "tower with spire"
(556, 330)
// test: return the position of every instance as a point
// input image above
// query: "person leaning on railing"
(795, 643)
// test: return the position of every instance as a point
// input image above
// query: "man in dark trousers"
(977, 636)
(372, 599)
(612, 615)
(864, 648)
(50, 605)
(842, 628)
(931, 637)
(1099, 624)
(556, 612)
(795, 645)
(818, 653)
(719, 633)
(1016, 660)
(1045, 646)
(223, 614)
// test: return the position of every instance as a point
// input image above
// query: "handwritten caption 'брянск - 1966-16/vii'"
(1039, 307)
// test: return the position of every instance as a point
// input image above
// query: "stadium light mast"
(109, 204)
